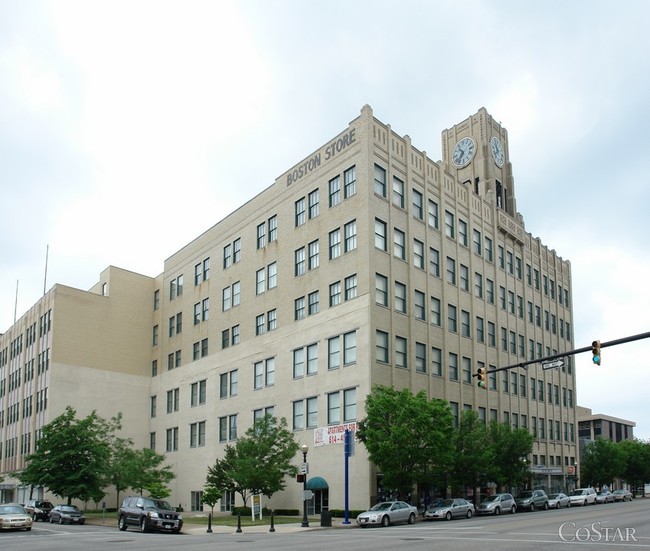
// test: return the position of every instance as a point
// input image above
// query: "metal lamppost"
(305, 521)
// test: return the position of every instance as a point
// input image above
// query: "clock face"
(497, 152)
(463, 152)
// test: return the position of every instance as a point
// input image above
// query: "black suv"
(38, 509)
(148, 514)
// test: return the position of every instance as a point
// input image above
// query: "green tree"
(636, 457)
(408, 437)
(473, 452)
(602, 461)
(510, 451)
(211, 496)
(71, 457)
(146, 471)
(259, 461)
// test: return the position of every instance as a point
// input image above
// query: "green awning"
(317, 483)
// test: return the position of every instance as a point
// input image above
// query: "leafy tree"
(211, 496)
(258, 462)
(408, 437)
(146, 471)
(474, 454)
(71, 457)
(602, 461)
(510, 450)
(636, 456)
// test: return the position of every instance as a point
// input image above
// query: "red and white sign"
(335, 434)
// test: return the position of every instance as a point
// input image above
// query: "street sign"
(307, 495)
(553, 364)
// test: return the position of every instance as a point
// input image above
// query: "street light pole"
(305, 521)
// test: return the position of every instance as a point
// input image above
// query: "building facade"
(366, 263)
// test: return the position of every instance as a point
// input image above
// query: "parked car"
(450, 508)
(388, 512)
(622, 495)
(67, 514)
(532, 499)
(148, 514)
(605, 497)
(583, 496)
(497, 504)
(38, 508)
(557, 501)
(14, 517)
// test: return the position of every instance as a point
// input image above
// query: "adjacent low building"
(367, 263)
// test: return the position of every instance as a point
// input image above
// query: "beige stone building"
(367, 263)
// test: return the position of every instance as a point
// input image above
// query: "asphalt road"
(619, 526)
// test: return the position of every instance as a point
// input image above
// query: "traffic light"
(300, 478)
(595, 350)
(481, 375)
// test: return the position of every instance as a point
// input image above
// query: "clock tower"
(476, 152)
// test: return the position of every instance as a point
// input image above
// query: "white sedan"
(450, 508)
(388, 512)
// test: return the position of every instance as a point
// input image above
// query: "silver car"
(557, 501)
(450, 508)
(387, 513)
(497, 504)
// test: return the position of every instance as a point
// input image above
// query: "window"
(335, 243)
(273, 235)
(465, 329)
(436, 311)
(349, 405)
(333, 353)
(434, 262)
(436, 361)
(380, 235)
(401, 352)
(420, 357)
(334, 191)
(349, 348)
(381, 290)
(418, 254)
(462, 232)
(419, 306)
(152, 406)
(298, 415)
(171, 444)
(260, 324)
(381, 345)
(476, 240)
(313, 204)
(264, 373)
(232, 427)
(335, 293)
(418, 205)
(464, 278)
(300, 214)
(299, 262)
(380, 181)
(350, 181)
(197, 393)
(272, 275)
(478, 285)
(453, 366)
(398, 192)
(261, 242)
(399, 244)
(489, 290)
(480, 330)
(350, 230)
(452, 318)
(299, 308)
(260, 281)
(489, 253)
(432, 214)
(313, 254)
(400, 297)
(197, 434)
(333, 408)
(351, 287)
(312, 303)
(451, 271)
(172, 400)
(450, 228)
(305, 356)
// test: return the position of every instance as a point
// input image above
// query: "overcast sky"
(117, 116)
